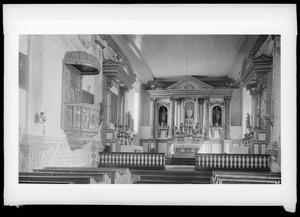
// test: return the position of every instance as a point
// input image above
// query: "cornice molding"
(213, 93)
(189, 80)
(112, 69)
(255, 66)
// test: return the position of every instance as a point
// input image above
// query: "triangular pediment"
(109, 62)
(189, 83)
(261, 61)
(127, 68)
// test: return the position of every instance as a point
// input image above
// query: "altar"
(185, 150)
(126, 148)
(188, 150)
(131, 148)
(189, 117)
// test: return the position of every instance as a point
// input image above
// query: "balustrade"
(232, 162)
(132, 160)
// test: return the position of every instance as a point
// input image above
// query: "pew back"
(74, 179)
(228, 177)
(98, 177)
(117, 175)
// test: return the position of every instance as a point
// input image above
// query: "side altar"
(189, 117)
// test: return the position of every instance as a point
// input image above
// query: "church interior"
(149, 109)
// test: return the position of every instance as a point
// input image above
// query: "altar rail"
(132, 160)
(249, 162)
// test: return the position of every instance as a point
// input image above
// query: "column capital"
(227, 98)
(153, 99)
(123, 93)
(109, 82)
(201, 100)
(206, 98)
(178, 99)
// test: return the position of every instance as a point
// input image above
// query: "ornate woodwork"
(118, 123)
(80, 121)
(227, 117)
(81, 124)
(257, 79)
(189, 103)
(232, 162)
(85, 63)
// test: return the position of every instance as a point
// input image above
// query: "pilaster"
(227, 117)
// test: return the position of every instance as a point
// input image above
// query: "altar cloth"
(131, 148)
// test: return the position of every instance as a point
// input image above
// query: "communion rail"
(242, 162)
(132, 160)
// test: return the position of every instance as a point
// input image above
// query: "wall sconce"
(40, 118)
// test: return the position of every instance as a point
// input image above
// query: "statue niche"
(163, 116)
(189, 112)
(217, 116)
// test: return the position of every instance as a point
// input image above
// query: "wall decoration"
(255, 148)
(263, 148)
(261, 136)
(23, 70)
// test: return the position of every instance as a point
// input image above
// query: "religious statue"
(163, 117)
(217, 116)
(189, 112)
(248, 120)
(102, 107)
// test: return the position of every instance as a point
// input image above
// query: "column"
(227, 116)
(275, 105)
(123, 94)
(176, 113)
(181, 111)
(200, 106)
(152, 117)
(206, 126)
(274, 147)
(172, 116)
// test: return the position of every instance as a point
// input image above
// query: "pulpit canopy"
(86, 63)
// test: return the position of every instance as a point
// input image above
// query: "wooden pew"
(117, 175)
(223, 177)
(112, 175)
(45, 182)
(120, 170)
(265, 174)
(234, 180)
(100, 178)
(74, 179)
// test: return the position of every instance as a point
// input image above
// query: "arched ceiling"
(168, 58)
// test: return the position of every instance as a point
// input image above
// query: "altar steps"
(181, 161)
(171, 176)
